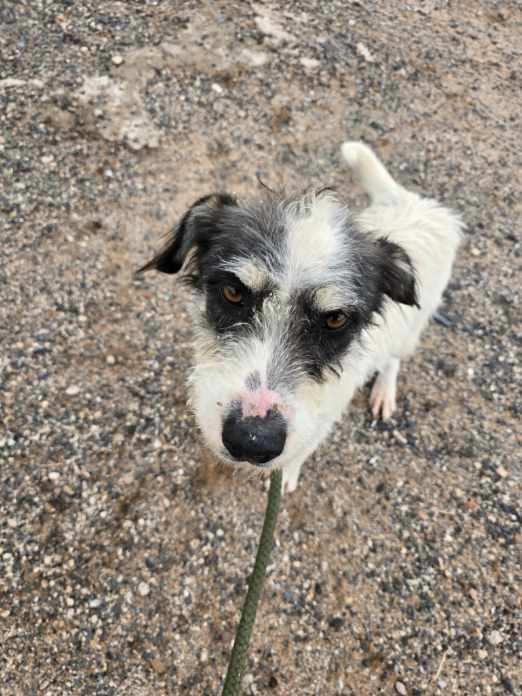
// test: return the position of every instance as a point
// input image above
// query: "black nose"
(254, 439)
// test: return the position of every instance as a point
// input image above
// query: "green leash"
(248, 615)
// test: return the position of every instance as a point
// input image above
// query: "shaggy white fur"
(297, 303)
(427, 231)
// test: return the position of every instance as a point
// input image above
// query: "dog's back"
(426, 230)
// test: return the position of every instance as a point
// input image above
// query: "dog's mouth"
(256, 461)
(227, 459)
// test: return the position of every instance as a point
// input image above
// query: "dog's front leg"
(291, 476)
(292, 471)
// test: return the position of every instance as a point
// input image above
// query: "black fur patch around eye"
(227, 317)
(319, 349)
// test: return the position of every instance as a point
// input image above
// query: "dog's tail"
(370, 173)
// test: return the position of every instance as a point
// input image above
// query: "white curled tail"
(371, 173)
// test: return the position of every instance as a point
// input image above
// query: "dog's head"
(283, 292)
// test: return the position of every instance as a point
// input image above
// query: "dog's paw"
(383, 397)
(289, 485)
(383, 401)
(290, 481)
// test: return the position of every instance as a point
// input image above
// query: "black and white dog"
(297, 303)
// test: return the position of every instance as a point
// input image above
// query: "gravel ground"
(124, 551)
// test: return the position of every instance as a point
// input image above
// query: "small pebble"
(309, 63)
(72, 390)
(117, 59)
(495, 638)
(158, 665)
(401, 689)
(399, 437)
(365, 53)
(143, 589)
(53, 475)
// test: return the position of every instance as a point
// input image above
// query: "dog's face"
(283, 292)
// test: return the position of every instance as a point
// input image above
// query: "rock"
(336, 622)
(495, 638)
(310, 63)
(254, 58)
(363, 51)
(143, 589)
(72, 390)
(401, 689)
(159, 666)
(267, 24)
(399, 437)
(8, 82)
(125, 118)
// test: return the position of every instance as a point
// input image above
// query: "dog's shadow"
(213, 478)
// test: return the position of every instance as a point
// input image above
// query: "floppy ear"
(187, 233)
(397, 277)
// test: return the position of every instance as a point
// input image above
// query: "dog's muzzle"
(254, 439)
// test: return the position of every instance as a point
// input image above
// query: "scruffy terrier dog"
(297, 303)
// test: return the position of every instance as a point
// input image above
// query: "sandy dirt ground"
(124, 552)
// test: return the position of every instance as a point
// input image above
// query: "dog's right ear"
(187, 233)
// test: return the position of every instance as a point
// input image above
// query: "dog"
(297, 302)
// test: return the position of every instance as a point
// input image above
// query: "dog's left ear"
(195, 224)
(397, 275)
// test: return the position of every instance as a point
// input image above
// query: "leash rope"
(248, 614)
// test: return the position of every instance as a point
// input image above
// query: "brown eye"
(336, 320)
(232, 294)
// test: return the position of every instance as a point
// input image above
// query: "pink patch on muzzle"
(260, 401)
